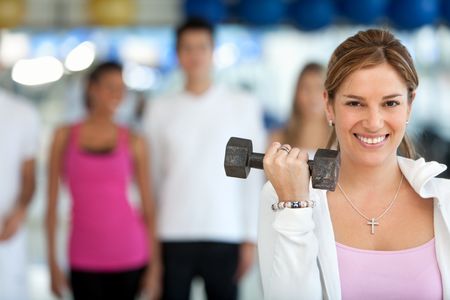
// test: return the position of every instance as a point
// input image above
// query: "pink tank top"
(406, 274)
(107, 233)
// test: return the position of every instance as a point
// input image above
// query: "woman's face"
(108, 91)
(309, 95)
(370, 112)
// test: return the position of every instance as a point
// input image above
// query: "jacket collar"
(419, 172)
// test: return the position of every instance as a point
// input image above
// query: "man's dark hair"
(194, 24)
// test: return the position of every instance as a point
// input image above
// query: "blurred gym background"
(46, 45)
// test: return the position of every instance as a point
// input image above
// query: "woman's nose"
(374, 120)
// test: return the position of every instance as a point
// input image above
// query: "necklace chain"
(372, 221)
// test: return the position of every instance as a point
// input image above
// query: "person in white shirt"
(384, 233)
(19, 135)
(203, 227)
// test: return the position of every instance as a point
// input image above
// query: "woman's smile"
(372, 141)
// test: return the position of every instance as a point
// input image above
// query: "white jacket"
(297, 250)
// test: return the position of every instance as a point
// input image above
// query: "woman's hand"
(152, 285)
(58, 281)
(12, 224)
(287, 169)
(247, 251)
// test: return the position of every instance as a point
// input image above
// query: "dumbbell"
(240, 158)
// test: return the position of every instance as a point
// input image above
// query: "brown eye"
(353, 103)
(391, 103)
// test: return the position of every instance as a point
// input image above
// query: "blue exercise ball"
(261, 12)
(412, 14)
(214, 11)
(445, 10)
(366, 12)
(312, 14)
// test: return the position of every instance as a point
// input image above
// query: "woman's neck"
(99, 118)
(372, 179)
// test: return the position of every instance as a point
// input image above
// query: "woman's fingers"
(284, 149)
(281, 153)
(293, 154)
(273, 149)
(270, 154)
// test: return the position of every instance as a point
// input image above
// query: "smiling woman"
(370, 87)
(370, 123)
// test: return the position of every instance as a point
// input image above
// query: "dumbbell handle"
(256, 161)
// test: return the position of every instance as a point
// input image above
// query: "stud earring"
(407, 122)
(330, 123)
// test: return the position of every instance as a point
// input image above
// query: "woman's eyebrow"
(362, 98)
(392, 96)
(354, 97)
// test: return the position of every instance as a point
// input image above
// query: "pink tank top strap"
(124, 133)
(124, 138)
(74, 132)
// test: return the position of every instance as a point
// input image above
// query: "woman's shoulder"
(135, 139)
(441, 189)
(66, 128)
(62, 132)
(60, 138)
(130, 132)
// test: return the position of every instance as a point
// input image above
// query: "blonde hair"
(367, 49)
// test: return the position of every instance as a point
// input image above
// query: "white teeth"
(371, 141)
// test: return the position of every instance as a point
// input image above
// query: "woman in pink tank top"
(113, 250)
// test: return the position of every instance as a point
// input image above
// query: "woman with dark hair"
(307, 127)
(113, 250)
(384, 233)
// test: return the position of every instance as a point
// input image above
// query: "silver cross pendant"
(372, 223)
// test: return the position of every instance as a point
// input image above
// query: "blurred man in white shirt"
(18, 139)
(203, 223)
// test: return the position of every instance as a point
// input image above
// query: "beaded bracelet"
(292, 204)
